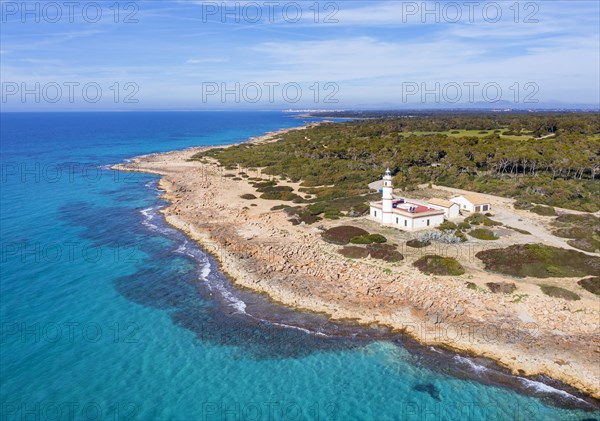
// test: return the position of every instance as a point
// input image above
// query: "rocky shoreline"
(260, 250)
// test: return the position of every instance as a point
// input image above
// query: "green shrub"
(572, 232)
(461, 235)
(248, 196)
(279, 195)
(543, 210)
(539, 261)
(584, 231)
(343, 234)
(377, 238)
(447, 225)
(385, 252)
(481, 219)
(483, 234)
(275, 189)
(417, 243)
(586, 244)
(522, 205)
(520, 231)
(368, 239)
(558, 292)
(438, 265)
(464, 226)
(361, 239)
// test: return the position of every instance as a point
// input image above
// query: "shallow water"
(108, 313)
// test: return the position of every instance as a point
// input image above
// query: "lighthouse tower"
(387, 198)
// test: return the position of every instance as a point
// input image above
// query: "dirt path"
(537, 225)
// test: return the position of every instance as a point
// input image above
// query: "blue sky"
(352, 54)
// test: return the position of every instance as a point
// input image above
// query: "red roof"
(418, 208)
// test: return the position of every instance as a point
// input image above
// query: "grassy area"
(438, 265)
(539, 261)
(502, 134)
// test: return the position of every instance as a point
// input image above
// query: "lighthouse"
(387, 197)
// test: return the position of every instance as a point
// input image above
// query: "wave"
(544, 388)
(317, 333)
(154, 222)
(468, 362)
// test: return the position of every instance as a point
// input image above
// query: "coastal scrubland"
(548, 159)
(302, 238)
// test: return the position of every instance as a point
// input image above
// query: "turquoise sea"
(109, 314)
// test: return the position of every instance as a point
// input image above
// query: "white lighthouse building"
(387, 198)
(401, 213)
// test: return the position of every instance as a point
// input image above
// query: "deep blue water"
(107, 313)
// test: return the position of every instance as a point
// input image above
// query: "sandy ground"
(527, 332)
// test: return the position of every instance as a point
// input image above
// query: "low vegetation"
(520, 231)
(343, 234)
(438, 265)
(558, 292)
(354, 252)
(368, 239)
(501, 287)
(483, 234)
(539, 261)
(591, 284)
(248, 196)
(445, 237)
(481, 219)
(385, 252)
(499, 153)
(543, 210)
(447, 226)
(418, 243)
(583, 231)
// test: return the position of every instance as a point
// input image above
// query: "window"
(485, 207)
(397, 220)
(405, 223)
(428, 222)
(374, 213)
